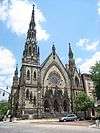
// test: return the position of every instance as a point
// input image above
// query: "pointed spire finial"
(31, 34)
(33, 5)
(33, 11)
(53, 50)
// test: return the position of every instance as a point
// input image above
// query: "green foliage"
(98, 109)
(83, 102)
(4, 106)
(95, 74)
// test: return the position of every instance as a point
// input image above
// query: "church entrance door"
(56, 106)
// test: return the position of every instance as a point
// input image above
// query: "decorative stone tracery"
(54, 78)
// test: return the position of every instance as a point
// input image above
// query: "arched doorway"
(65, 106)
(56, 106)
(46, 106)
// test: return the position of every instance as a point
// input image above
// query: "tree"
(4, 106)
(95, 75)
(83, 102)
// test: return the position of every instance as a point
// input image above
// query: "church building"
(47, 89)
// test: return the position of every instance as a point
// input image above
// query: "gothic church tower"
(30, 71)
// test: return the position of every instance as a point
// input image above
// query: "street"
(13, 127)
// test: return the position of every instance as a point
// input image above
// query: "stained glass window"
(54, 78)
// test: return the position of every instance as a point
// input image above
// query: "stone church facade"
(46, 89)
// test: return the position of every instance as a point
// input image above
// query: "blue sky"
(61, 22)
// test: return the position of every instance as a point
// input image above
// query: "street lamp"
(4, 91)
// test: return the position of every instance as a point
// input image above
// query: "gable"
(52, 64)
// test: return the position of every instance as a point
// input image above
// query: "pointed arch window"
(46, 106)
(76, 82)
(31, 96)
(56, 106)
(33, 49)
(65, 105)
(34, 100)
(28, 75)
(27, 93)
(30, 50)
(46, 87)
(34, 74)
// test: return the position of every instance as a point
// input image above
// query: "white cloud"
(87, 44)
(78, 60)
(3, 10)
(85, 67)
(7, 67)
(98, 7)
(17, 15)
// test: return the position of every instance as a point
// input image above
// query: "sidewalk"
(55, 121)
(36, 121)
(94, 126)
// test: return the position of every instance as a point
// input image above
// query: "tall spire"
(31, 51)
(71, 59)
(31, 34)
(70, 52)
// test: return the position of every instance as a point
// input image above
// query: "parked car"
(68, 117)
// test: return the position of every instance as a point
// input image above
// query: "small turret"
(53, 51)
(16, 71)
(70, 52)
(15, 77)
(71, 59)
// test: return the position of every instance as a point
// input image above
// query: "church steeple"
(31, 34)
(31, 53)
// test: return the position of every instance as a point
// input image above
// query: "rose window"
(54, 78)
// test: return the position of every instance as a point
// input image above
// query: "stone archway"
(46, 106)
(56, 106)
(65, 106)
